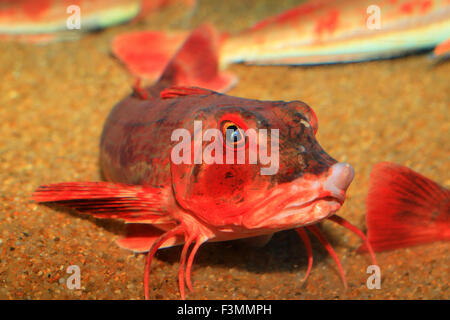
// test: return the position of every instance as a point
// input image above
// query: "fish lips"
(309, 200)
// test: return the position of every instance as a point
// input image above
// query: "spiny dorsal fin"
(174, 92)
(196, 63)
(176, 58)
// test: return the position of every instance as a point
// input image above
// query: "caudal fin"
(176, 59)
(405, 208)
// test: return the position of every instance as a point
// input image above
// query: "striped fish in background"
(333, 31)
(43, 21)
(316, 32)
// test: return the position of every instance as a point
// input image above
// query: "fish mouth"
(329, 200)
(310, 212)
(338, 199)
(311, 200)
(334, 187)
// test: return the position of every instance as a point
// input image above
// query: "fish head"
(293, 182)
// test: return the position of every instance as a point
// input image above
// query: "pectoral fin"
(128, 203)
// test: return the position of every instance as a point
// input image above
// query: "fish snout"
(339, 180)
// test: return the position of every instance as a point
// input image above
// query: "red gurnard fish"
(405, 208)
(43, 21)
(317, 32)
(167, 203)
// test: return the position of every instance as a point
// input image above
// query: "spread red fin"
(175, 58)
(174, 92)
(405, 208)
(196, 63)
(147, 53)
(140, 238)
(108, 200)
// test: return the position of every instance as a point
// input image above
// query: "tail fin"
(175, 59)
(405, 208)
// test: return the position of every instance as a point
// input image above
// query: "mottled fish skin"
(333, 31)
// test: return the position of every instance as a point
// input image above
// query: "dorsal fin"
(176, 58)
(196, 62)
(178, 91)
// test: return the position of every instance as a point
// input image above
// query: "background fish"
(167, 204)
(405, 208)
(334, 31)
(317, 32)
(46, 20)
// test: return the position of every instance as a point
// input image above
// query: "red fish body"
(136, 148)
(166, 202)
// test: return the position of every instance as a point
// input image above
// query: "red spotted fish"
(405, 208)
(47, 20)
(167, 202)
(317, 32)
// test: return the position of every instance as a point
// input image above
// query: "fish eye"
(234, 135)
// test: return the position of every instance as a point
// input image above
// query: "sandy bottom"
(55, 98)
